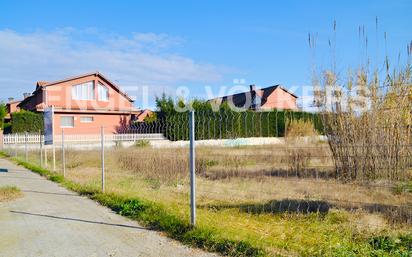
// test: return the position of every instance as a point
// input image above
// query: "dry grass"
(9, 193)
(367, 118)
(257, 194)
(256, 174)
(300, 128)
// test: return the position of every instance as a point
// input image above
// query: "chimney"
(25, 95)
(252, 88)
(11, 99)
(255, 98)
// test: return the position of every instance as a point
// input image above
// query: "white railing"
(35, 138)
(21, 139)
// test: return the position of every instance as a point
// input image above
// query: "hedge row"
(26, 121)
(230, 124)
(3, 112)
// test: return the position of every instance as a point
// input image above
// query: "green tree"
(165, 104)
(3, 112)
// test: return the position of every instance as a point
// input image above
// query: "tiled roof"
(42, 83)
(47, 84)
(240, 98)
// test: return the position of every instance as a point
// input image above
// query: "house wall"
(12, 107)
(142, 115)
(60, 95)
(111, 123)
(113, 114)
(280, 99)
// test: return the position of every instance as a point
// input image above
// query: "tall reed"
(367, 119)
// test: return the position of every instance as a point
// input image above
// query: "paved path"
(52, 221)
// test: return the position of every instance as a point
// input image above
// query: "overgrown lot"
(282, 199)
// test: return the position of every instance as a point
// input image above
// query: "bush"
(300, 128)
(26, 121)
(142, 143)
(3, 112)
(405, 187)
(393, 246)
(7, 128)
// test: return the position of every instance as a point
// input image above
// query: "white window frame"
(67, 116)
(100, 89)
(85, 91)
(86, 121)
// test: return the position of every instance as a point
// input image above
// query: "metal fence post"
(102, 152)
(54, 154)
(15, 145)
(192, 168)
(41, 150)
(26, 153)
(46, 159)
(63, 156)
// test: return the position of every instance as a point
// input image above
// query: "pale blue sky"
(167, 44)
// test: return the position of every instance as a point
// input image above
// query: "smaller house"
(269, 98)
(11, 106)
(143, 115)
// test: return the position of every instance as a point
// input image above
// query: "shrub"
(405, 187)
(300, 128)
(3, 113)
(151, 118)
(7, 128)
(26, 121)
(394, 246)
(142, 143)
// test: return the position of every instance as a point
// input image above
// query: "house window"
(83, 91)
(86, 119)
(67, 121)
(103, 92)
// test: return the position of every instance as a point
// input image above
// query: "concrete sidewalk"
(52, 221)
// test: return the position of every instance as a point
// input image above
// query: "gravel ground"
(51, 221)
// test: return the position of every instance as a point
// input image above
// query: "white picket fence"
(11, 139)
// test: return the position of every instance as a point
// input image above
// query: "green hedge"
(225, 122)
(3, 112)
(26, 121)
(230, 124)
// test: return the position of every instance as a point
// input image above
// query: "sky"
(207, 47)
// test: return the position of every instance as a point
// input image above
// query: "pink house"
(11, 106)
(274, 97)
(83, 104)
